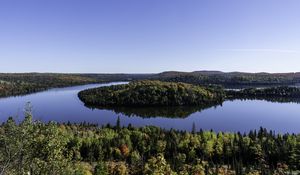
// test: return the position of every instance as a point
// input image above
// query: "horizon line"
(54, 72)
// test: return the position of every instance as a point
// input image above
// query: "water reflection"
(149, 112)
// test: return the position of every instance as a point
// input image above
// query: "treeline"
(21, 84)
(281, 93)
(152, 93)
(24, 83)
(230, 79)
(18, 88)
(33, 147)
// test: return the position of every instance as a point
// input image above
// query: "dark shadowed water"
(63, 105)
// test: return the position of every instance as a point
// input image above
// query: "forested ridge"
(152, 93)
(33, 147)
(280, 93)
(12, 84)
(229, 79)
(21, 84)
(24, 83)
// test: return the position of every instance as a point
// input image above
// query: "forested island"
(152, 93)
(33, 147)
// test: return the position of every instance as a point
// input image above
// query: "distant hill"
(12, 84)
(229, 78)
(23, 83)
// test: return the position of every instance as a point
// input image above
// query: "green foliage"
(157, 165)
(230, 79)
(101, 169)
(151, 93)
(32, 147)
(81, 169)
(20, 84)
(25, 83)
(117, 168)
(37, 148)
(280, 94)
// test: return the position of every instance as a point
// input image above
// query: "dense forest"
(33, 147)
(230, 79)
(281, 93)
(20, 84)
(152, 93)
(12, 84)
(25, 83)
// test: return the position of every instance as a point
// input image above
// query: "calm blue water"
(63, 105)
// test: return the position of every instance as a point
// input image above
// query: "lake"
(63, 105)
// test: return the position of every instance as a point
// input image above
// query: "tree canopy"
(229, 79)
(12, 84)
(151, 93)
(32, 147)
(279, 94)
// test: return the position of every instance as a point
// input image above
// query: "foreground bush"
(32, 147)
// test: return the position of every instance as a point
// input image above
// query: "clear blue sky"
(137, 36)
